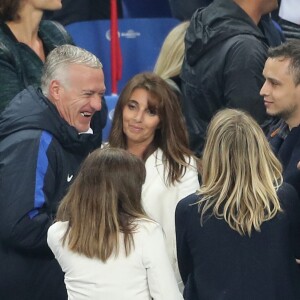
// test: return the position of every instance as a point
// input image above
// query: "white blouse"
(145, 274)
(160, 200)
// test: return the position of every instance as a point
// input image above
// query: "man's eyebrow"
(272, 79)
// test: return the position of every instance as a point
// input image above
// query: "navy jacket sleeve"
(291, 205)
(27, 185)
(183, 251)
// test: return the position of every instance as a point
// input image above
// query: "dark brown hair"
(104, 201)
(9, 10)
(171, 136)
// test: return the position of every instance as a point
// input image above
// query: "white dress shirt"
(145, 274)
(160, 200)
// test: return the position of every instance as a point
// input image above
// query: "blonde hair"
(240, 173)
(103, 201)
(170, 58)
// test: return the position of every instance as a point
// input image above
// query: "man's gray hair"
(60, 58)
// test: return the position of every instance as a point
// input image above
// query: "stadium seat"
(140, 39)
(146, 9)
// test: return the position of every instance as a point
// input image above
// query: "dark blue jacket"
(217, 263)
(40, 154)
(288, 152)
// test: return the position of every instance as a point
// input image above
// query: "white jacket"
(160, 200)
(143, 275)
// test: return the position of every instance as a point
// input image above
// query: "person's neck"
(137, 149)
(293, 122)
(26, 30)
(250, 9)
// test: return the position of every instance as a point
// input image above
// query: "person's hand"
(298, 165)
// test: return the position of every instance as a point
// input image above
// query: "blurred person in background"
(169, 62)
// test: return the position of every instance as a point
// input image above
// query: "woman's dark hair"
(171, 136)
(9, 10)
(104, 201)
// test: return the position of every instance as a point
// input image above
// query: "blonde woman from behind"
(239, 236)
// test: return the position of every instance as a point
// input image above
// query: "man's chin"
(279, 115)
(273, 114)
(83, 129)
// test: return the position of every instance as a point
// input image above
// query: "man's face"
(79, 96)
(281, 95)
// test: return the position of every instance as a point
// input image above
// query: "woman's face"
(44, 4)
(139, 120)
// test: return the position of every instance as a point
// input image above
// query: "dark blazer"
(288, 152)
(217, 263)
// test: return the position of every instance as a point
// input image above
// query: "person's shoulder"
(48, 24)
(4, 31)
(147, 225)
(154, 160)
(287, 194)
(55, 235)
(290, 202)
(146, 230)
(288, 197)
(247, 43)
(6, 42)
(58, 229)
(188, 202)
(56, 31)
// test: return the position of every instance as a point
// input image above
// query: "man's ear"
(55, 90)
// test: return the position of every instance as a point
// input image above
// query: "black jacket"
(286, 146)
(217, 263)
(40, 154)
(224, 58)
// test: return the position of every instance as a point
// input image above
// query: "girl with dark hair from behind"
(103, 240)
(239, 236)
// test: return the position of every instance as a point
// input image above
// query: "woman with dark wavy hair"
(25, 41)
(148, 123)
(103, 240)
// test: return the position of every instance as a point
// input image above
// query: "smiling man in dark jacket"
(224, 58)
(44, 136)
